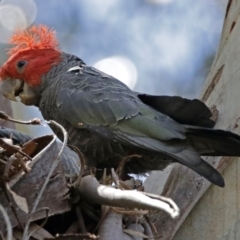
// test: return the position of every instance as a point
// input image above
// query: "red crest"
(37, 37)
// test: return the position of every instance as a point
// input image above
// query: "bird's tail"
(208, 171)
(211, 142)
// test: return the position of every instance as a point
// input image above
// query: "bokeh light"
(15, 14)
(119, 67)
(12, 16)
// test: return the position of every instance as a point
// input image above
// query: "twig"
(80, 219)
(147, 230)
(123, 162)
(115, 177)
(34, 121)
(12, 149)
(78, 236)
(92, 191)
(43, 223)
(104, 212)
(152, 226)
(8, 223)
(54, 165)
(7, 195)
(129, 212)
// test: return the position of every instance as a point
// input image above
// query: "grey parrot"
(105, 119)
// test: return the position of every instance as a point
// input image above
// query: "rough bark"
(222, 90)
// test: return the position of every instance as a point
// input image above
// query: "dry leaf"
(20, 201)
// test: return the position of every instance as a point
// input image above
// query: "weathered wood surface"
(217, 215)
(185, 187)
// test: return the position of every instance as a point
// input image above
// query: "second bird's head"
(34, 54)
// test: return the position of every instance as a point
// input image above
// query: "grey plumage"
(108, 122)
(104, 118)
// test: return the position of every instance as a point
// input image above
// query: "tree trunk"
(217, 214)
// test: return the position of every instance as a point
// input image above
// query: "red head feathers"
(37, 37)
(35, 53)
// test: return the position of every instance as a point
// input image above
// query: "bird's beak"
(11, 88)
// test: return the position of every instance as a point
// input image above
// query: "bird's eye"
(21, 64)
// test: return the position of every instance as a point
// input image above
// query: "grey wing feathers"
(185, 111)
(104, 105)
(92, 99)
(95, 100)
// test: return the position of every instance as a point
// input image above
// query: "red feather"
(37, 37)
(39, 47)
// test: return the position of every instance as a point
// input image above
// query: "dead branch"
(77, 236)
(12, 148)
(92, 191)
(35, 121)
